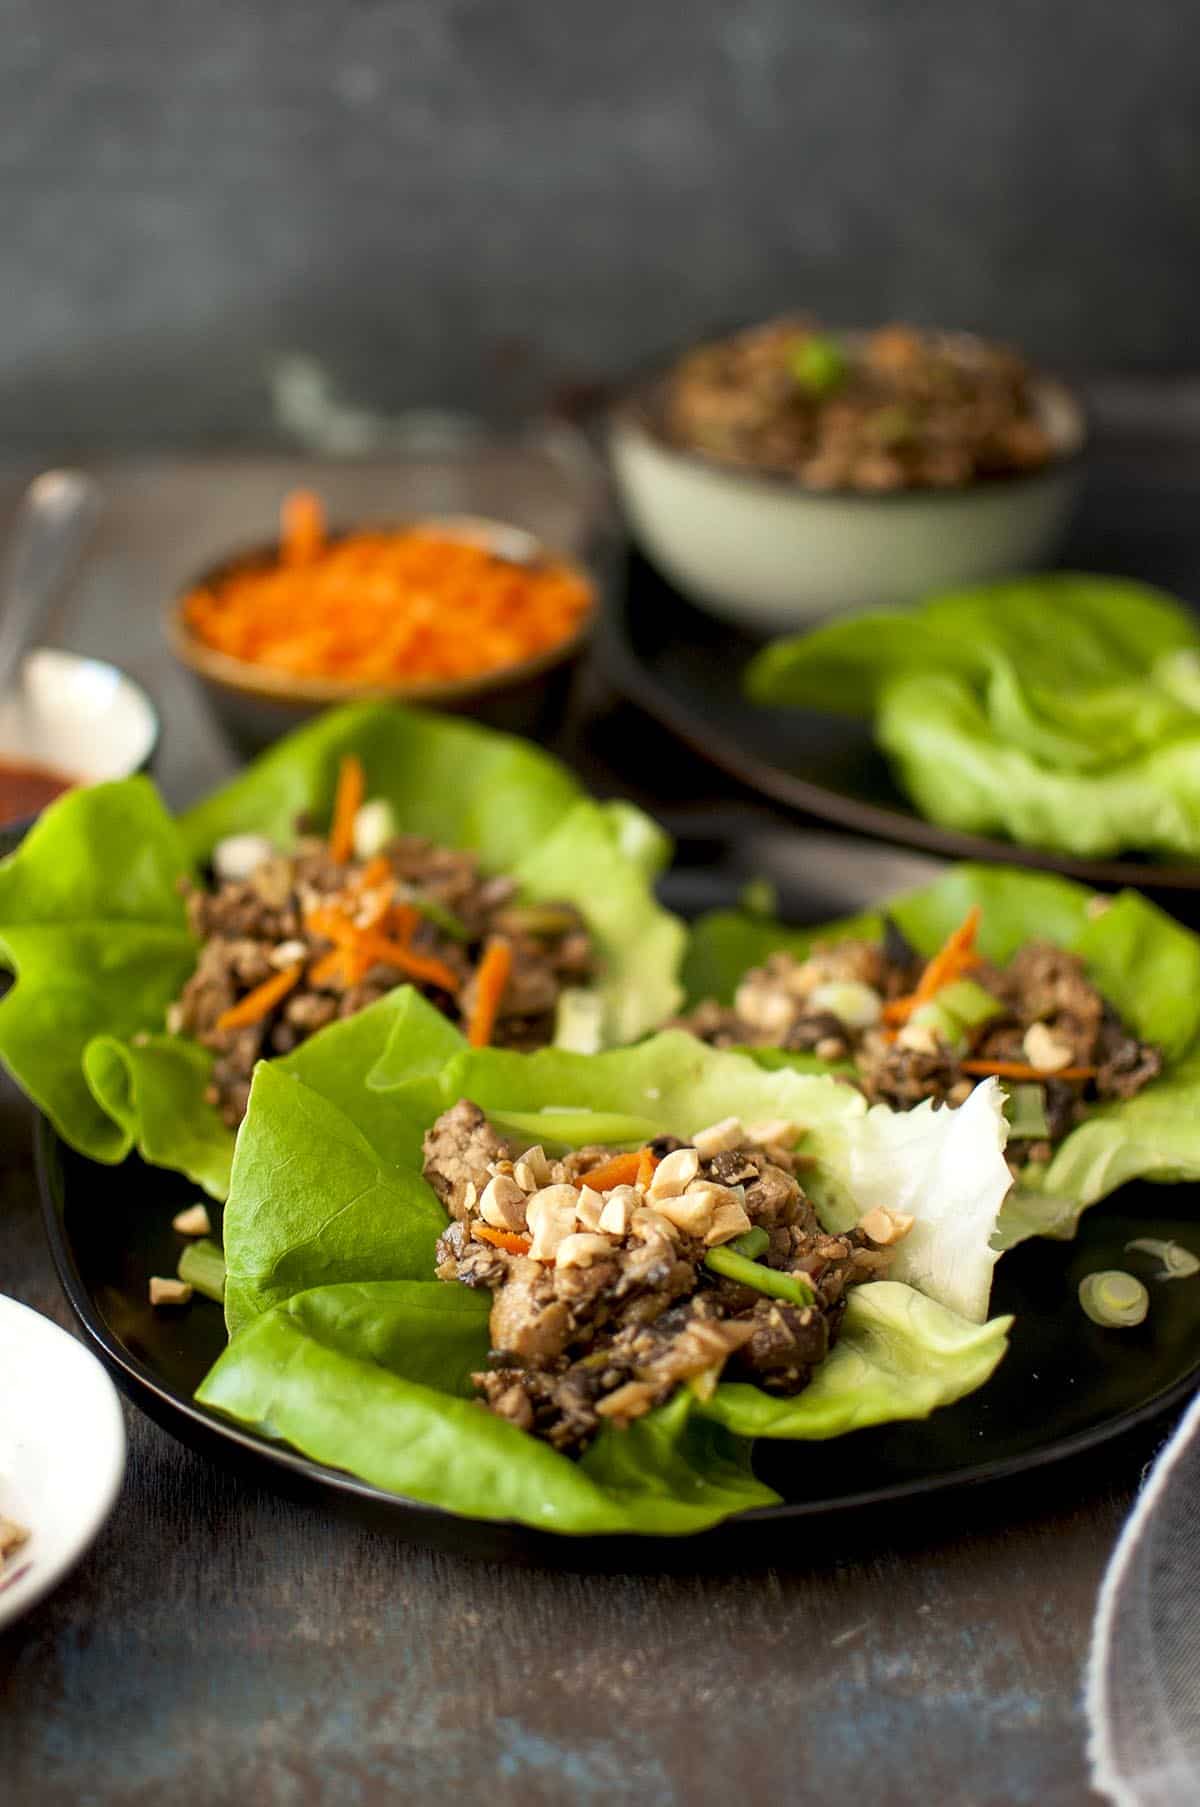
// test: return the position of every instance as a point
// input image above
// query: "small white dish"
(62, 1452)
(79, 717)
(769, 553)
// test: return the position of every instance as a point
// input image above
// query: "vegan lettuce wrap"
(1060, 710)
(572, 1289)
(1086, 1009)
(157, 959)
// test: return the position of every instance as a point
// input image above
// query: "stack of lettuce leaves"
(1145, 964)
(1062, 711)
(345, 1346)
(93, 923)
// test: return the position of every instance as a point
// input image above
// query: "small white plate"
(62, 1451)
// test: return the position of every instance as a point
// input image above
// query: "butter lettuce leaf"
(346, 1347)
(93, 923)
(899, 1355)
(1061, 710)
(92, 926)
(1141, 959)
(375, 1379)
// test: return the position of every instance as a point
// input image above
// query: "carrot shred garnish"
(351, 786)
(262, 1000)
(376, 872)
(501, 1239)
(647, 1162)
(402, 921)
(490, 982)
(956, 957)
(427, 967)
(330, 966)
(375, 607)
(1019, 1069)
(622, 1170)
(301, 527)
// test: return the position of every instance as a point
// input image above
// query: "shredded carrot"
(1019, 1069)
(330, 966)
(262, 1000)
(378, 607)
(490, 981)
(622, 1170)
(376, 872)
(647, 1162)
(351, 786)
(402, 921)
(301, 528)
(360, 947)
(501, 1239)
(956, 957)
(426, 967)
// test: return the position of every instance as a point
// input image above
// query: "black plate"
(1064, 1387)
(683, 667)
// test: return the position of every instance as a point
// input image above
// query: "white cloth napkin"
(1143, 1683)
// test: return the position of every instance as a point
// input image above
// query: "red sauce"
(24, 789)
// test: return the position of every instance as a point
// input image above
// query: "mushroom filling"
(293, 941)
(898, 408)
(617, 1278)
(1038, 1023)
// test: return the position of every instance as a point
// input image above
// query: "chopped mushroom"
(621, 1292)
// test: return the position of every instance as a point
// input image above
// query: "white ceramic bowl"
(78, 717)
(766, 552)
(62, 1451)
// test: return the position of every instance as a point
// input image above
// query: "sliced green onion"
(732, 1266)
(970, 1002)
(818, 364)
(1178, 1263)
(202, 1265)
(1026, 1112)
(579, 1021)
(752, 1244)
(441, 917)
(759, 898)
(855, 1005)
(1113, 1299)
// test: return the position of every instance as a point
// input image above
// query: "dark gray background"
(472, 201)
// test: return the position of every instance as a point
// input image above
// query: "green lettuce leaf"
(93, 924)
(1061, 710)
(1143, 961)
(342, 1347)
(326, 1183)
(93, 927)
(152, 1087)
(375, 1380)
(899, 1355)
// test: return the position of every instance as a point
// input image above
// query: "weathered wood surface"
(229, 1645)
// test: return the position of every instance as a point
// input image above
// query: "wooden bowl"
(256, 703)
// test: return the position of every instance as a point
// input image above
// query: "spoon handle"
(53, 520)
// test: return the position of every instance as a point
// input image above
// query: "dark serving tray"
(683, 667)
(1065, 1386)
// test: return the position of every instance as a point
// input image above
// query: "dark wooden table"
(221, 1644)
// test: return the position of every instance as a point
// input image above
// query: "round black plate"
(1064, 1387)
(684, 667)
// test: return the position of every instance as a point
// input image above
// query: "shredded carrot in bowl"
(377, 607)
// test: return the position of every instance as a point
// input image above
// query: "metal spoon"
(54, 518)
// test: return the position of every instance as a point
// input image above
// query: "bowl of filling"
(787, 472)
(459, 613)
